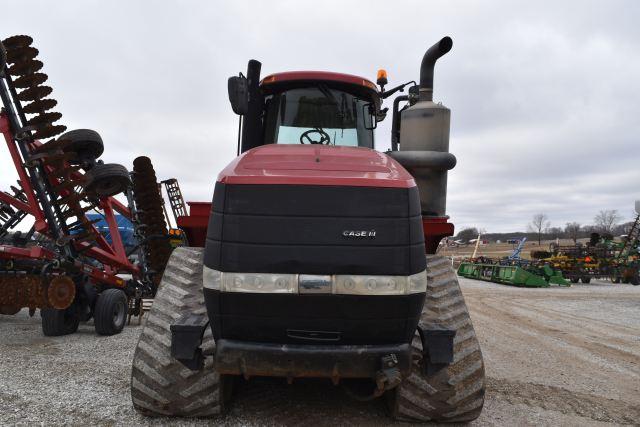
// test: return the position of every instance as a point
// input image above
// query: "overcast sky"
(544, 95)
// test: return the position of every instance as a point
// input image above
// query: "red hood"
(316, 165)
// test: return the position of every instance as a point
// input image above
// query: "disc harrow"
(35, 291)
(153, 227)
(63, 262)
(66, 182)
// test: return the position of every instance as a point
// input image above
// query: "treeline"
(553, 233)
(606, 223)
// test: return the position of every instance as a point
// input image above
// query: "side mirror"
(239, 94)
(369, 116)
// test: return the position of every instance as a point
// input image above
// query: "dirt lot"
(553, 356)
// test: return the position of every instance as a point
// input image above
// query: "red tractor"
(319, 257)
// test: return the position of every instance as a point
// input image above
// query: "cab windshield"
(319, 115)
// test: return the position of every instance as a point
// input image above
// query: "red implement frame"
(113, 256)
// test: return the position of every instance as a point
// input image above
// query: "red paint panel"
(195, 225)
(292, 76)
(316, 165)
(435, 229)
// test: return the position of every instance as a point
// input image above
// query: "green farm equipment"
(530, 276)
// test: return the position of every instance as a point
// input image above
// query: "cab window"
(318, 115)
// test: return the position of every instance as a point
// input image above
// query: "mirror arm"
(391, 91)
(395, 122)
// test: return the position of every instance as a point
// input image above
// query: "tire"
(574, 279)
(586, 279)
(635, 280)
(86, 143)
(161, 385)
(110, 312)
(615, 279)
(107, 180)
(56, 323)
(455, 393)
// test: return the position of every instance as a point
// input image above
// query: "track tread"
(456, 393)
(160, 385)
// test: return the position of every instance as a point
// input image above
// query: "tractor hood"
(316, 165)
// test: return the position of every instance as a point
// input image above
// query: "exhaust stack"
(424, 139)
(428, 64)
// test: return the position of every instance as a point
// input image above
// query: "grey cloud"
(543, 94)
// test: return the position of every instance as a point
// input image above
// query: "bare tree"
(539, 223)
(606, 220)
(573, 231)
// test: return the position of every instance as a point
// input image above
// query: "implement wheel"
(85, 143)
(110, 313)
(56, 323)
(455, 393)
(160, 385)
(107, 180)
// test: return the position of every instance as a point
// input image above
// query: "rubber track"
(456, 393)
(160, 385)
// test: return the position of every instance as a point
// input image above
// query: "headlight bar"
(339, 284)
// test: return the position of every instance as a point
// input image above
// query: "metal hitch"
(389, 376)
(437, 348)
(186, 339)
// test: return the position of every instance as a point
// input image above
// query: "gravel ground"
(558, 356)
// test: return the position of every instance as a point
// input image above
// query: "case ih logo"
(359, 234)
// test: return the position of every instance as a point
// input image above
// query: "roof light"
(382, 78)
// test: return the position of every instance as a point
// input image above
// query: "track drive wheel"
(110, 312)
(160, 385)
(455, 393)
(107, 180)
(56, 323)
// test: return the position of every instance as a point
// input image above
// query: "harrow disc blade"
(16, 42)
(21, 54)
(44, 118)
(26, 67)
(34, 93)
(39, 106)
(61, 292)
(48, 131)
(30, 80)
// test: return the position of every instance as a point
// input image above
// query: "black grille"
(300, 229)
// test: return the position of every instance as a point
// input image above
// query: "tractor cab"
(319, 108)
(305, 107)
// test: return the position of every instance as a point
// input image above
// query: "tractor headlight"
(343, 284)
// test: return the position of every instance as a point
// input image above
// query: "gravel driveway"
(567, 356)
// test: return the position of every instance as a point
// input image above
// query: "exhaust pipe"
(428, 64)
(424, 149)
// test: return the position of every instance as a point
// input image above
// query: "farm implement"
(600, 258)
(519, 273)
(63, 265)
